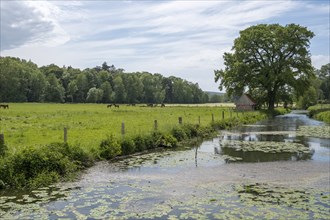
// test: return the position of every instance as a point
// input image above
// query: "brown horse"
(4, 106)
(109, 106)
(116, 106)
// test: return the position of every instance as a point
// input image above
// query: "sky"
(186, 39)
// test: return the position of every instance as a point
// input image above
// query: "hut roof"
(246, 99)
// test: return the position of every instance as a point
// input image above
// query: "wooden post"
(65, 135)
(223, 115)
(199, 120)
(2, 139)
(122, 128)
(212, 117)
(180, 120)
(155, 125)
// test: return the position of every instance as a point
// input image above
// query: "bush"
(127, 146)
(140, 143)
(110, 148)
(323, 116)
(43, 165)
(179, 133)
(3, 149)
(167, 140)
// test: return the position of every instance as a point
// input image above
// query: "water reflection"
(279, 129)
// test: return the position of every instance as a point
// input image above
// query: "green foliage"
(110, 148)
(308, 99)
(140, 143)
(127, 146)
(179, 133)
(3, 149)
(36, 166)
(266, 60)
(44, 178)
(320, 112)
(168, 140)
(323, 116)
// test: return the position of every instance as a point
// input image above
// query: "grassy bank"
(34, 153)
(320, 112)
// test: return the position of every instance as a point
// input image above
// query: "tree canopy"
(24, 81)
(266, 61)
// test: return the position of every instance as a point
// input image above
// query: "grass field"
(27, 124)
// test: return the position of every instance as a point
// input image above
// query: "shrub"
(44, 179)
(323, 116)
(191, 130)
(43, 165)
(140, 143)
(3, 149)
(167, 140)
(179, 133)
(110, 148)
(127, 146)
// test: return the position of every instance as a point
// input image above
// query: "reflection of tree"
(257, 156)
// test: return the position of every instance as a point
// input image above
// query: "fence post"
(180, 120)
(212, 117)
(2, 139)
(223, 115)
(122, 128)
(65, 134)
(155, 125)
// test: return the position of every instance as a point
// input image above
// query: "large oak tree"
(268, 58)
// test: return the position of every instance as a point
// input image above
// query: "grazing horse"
(109, 106)
(116, 106)
(150, 105)
(163, 105)
(4, 106)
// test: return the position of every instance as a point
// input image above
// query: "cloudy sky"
(181, 38)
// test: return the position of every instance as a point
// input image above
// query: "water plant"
(314, 131)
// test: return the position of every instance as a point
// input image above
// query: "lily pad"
(314, 131)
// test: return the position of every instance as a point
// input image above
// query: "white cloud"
(320, 60)
(182, 38)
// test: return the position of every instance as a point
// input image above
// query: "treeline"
(24, 81)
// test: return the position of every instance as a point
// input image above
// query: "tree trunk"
(271, 100)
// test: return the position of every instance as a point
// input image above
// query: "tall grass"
(320, 112)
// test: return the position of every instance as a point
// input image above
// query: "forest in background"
(24, 81)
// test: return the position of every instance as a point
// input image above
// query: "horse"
(163, 105)
(109, 106)
(150, 105)
(4, 106)
(116, 106)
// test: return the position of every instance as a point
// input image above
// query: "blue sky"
(182, 38)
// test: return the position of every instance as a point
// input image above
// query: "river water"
(212, 180)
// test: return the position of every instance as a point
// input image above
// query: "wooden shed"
(245, 103)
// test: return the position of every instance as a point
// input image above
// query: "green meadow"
(34, 153)
(33, 124)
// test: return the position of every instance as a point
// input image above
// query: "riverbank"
(320, 112)
(40, 165)
(195, 182)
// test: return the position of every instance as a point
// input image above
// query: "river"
(268, 170)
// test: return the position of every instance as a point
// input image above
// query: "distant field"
(26, 124)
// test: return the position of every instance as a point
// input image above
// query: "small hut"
(245, 103)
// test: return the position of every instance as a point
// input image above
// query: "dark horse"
(116, 106)
(109, 106)
(4, 106)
